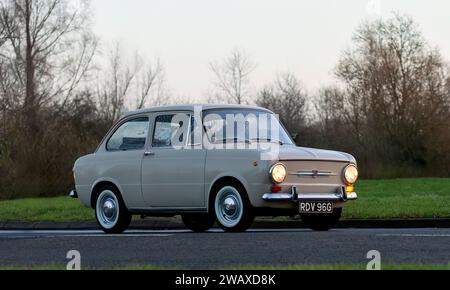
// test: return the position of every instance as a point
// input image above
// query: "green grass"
(56, 267)
(44, 209)
(342, 267)
(244, 268)
(399, 198)
(33, 268)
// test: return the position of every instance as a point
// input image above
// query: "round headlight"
(278, 173)
(351, 174)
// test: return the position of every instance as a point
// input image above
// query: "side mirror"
(294, 136)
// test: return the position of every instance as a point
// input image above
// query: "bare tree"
(47, 50)
(232, 77)
(2, 35)
(114, 84)
(151, 78)
(395, 89)
(328, 104)
(123, 80)
(330, 126)
(287, 98)
(329, 111)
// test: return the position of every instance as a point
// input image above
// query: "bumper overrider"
(341, 196)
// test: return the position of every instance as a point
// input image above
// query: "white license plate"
(317, 207)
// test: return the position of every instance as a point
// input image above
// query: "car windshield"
(244, 126)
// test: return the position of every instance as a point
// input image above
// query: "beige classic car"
(208, 163)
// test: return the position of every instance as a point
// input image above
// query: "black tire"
(247, 218)
(322, 223)
(123, 215)
(198, 223)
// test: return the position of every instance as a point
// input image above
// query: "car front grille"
(315, 176)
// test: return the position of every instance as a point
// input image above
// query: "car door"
(120, 160)
(173, 169)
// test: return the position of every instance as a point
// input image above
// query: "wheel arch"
(225, 179)
(99, 185)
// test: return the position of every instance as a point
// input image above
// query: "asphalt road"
(216, 249)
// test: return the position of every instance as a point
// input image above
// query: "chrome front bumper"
(295, 196)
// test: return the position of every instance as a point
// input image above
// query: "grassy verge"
(44, 209)
(400, 198)
(343, 267)
(56, 267)
(250, 268)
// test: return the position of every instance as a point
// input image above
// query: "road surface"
(215, 249)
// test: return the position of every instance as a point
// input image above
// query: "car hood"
(301, 153)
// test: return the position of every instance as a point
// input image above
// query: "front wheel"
(111, 213)
(232, 208)
(322, 223)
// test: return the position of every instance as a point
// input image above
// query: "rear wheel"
(232, 208)
(110, 210)
(198, 223)
(323, 222)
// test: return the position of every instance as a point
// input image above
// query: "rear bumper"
(295, 196)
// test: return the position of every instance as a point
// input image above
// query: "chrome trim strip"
(303, 197)
(313, 173)
(277, 196)
(321, 197)
(159, 210)
(295, 196)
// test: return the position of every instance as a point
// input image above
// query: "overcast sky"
(303, 37)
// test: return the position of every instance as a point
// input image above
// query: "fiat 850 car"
(211, 164)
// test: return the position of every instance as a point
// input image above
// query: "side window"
(171, 130)
(132, 135)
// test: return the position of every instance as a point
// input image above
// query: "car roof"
(193, 107)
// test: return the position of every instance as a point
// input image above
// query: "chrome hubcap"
(107, 209)
(229, 207)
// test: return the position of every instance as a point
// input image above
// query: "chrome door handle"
(149, 153)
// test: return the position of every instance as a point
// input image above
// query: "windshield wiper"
(268, 140)
(235, 140)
